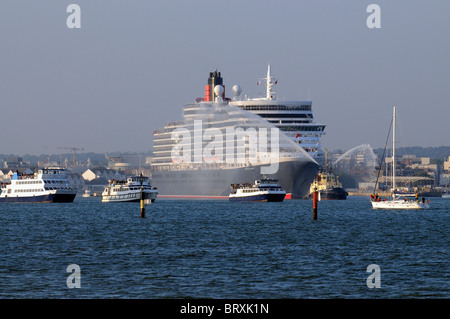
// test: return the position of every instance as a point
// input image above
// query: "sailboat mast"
(393, 151)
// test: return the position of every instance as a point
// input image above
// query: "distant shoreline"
(382, 194)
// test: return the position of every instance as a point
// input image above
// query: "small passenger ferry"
(48, 185)
(129, 190)
(265, 190)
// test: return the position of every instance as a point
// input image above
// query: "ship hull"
(64, 197)
(259, 198)
(333, 194)
(294, 176)
(47, 198)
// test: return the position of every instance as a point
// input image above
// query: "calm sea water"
(217, 249)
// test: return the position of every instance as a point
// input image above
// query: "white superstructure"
(293, 117)
(129, 190)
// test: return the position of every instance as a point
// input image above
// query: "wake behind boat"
(265, 190)
(48, 185)
(129, 190)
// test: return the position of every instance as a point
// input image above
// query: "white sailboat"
(396, 202)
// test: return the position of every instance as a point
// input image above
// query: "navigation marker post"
(141, 179)
(315, 196)
(315, 200)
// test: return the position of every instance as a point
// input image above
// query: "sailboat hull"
(399, 204)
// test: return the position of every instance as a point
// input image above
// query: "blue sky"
(132, 65)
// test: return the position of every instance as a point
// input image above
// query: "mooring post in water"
(142, 197)
(315, 197)
(315, 200)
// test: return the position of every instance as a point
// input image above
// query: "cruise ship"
(293, 117)
(49, 185)
(218, 143)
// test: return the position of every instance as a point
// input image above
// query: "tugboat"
(129, 190)
(48, 185)
(327, 184)
(264, 190)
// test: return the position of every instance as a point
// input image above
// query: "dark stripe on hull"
(333, 194)
(50, 198)
(64, 198)
(32, 199)
(259, 198)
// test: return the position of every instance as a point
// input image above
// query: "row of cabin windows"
(28, 190)
(277, 108)
(23, 182)
(319, 128)
(250, 190)
(255, 190)
(286, 116)
(118, 189)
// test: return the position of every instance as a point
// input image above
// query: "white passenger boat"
(265, 190)
(129, 190)
(48, 185)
